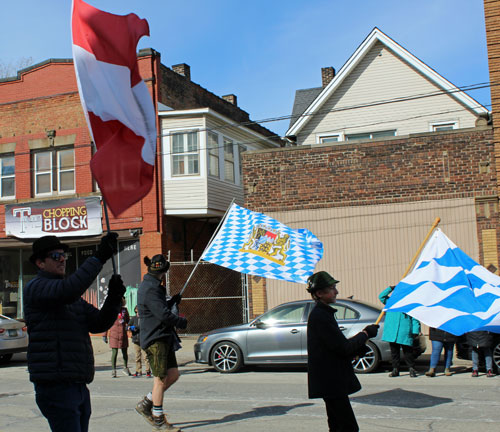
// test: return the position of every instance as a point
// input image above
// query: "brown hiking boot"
(144, 408)
(431, 373)
(161, 424)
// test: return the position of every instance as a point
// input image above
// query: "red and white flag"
(116, 102)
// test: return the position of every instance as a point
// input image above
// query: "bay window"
(185, 155)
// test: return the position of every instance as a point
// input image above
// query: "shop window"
(7, 177)
(185, 156)
(54, 171)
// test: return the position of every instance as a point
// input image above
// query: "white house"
(381, 91)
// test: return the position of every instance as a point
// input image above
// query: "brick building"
(45, 149)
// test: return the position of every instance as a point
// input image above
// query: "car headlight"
(202, 338)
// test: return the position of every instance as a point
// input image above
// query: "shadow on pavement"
(275, 410)
(402, 399)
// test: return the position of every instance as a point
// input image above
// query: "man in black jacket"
(158, 339)
(330, 373)
(60, 355)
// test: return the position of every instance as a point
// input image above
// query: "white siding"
(221, 193)
(183, 192)
(369, 247)
(383, 76)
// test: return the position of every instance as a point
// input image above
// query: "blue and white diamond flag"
(253, 243)
(449, 290)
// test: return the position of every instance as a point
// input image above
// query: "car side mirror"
(260, 324)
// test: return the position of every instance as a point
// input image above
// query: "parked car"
(13, 338)
(279, 336)
(464, 351)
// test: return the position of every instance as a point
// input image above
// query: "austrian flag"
(116, 103)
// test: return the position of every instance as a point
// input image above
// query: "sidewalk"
(185, 356)
(102, 351)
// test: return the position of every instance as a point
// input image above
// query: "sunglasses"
(56, 256)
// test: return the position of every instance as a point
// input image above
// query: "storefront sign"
(64, 218)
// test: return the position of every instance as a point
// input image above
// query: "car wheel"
(226, 357)
(5, 358)
(496, 356)
(369, 362)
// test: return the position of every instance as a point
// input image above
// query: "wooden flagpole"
(412, 262)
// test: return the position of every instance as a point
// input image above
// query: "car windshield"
(286, 314)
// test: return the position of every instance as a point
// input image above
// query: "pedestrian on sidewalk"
(118, 340)
(134, 326)
(60, 355)
(481, 341)
(400, 330)
(159, 339)
(441, 339)
(330, 374)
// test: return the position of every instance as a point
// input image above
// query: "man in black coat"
(330, 373)
(60, 355)
(158, 338)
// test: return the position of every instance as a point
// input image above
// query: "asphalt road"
(265, 399)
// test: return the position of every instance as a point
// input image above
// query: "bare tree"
(11, 68)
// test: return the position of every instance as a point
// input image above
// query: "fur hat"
(157, 265)
(46, 244)
(320, 280)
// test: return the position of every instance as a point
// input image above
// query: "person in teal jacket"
(400, 330)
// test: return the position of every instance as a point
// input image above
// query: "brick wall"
(422, 167)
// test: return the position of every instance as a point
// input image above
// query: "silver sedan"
(280, 337)
(13, 338)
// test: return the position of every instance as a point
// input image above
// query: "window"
(228, 160)
(370, 135)
(7, 175)
(213, 154)
(344, 312)
(443, 126)
(185, 157)
(54, 171)
(288, 314)
(329, 139)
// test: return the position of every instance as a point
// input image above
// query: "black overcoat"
(479, 339)
(330, 373)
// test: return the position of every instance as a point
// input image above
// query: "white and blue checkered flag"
(449, 290)
(253, 243)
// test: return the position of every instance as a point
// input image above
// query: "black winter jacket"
(441, 336)
(479, 339)
(157, 319)
(330, 373)
(59, 322)
(136, 322)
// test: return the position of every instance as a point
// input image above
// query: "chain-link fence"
(215, 296)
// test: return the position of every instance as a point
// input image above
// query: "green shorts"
(161, 357)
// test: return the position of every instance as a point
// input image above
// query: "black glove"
(392, 287)
(107, 247)
(362, 351)
(371, 330)
(182, 323)
(176, 299)
(116, 287)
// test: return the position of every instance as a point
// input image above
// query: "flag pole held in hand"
(412, 262)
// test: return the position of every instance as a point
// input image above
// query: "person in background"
(400, 330)
(118, 340)
(330, 374)
(135, 328)
(60, 354)
(481, 341)
(441, 339)
(159, 339)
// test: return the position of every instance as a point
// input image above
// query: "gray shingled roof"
(303, 98)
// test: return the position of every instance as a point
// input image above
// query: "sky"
(264, 50)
